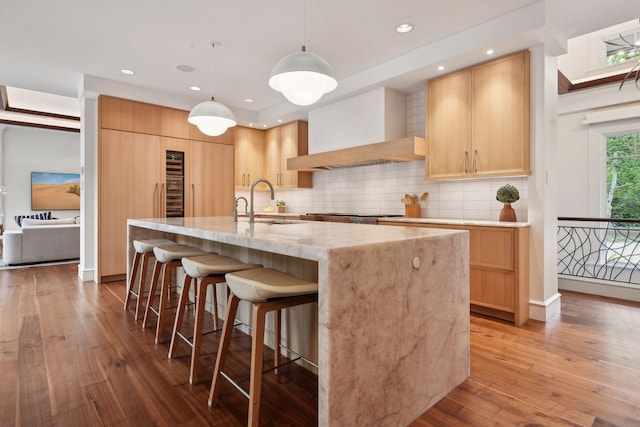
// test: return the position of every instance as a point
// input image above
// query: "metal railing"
(600, 248)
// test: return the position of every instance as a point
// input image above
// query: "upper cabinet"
(249, 148)
(225, 138)
(131, 116)
(264, 154)
(281, 143)
(478, 121)
(174, 123)
(211, 169)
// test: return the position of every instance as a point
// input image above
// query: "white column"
(2, 201)
(89, 186)
(544, 300)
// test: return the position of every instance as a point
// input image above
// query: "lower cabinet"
(498, 269)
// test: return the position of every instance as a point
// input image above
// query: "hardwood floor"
(70, 356)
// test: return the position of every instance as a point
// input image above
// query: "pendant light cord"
(213, 72)
(304, 25)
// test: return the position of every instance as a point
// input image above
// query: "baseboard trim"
(545, 310)
(87, 274)
(601, 288)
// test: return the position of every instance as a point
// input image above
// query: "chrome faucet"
(235, 207)
(253, 186)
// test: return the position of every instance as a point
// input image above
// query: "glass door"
(174, 200)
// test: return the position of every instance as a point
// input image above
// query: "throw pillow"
(41, 215)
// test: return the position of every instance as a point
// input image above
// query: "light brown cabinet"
(498, 268)
(281, 143)
(144, 175)
(122, 114)
(211, 173)
(249, 149)
(128, 187)
(478, 121)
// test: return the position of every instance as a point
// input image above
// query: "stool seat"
(262, 284)
(205, 265)
(144, 246)
(173, 252)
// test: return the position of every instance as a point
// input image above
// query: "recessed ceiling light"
(248, 100)
(440, 68)
(404, 28)
(185, 68)
(195, 88)
(250, 125)
(264, 126)
(490, 51)
(279, 120)
(127, 72)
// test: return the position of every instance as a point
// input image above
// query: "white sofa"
(40, 241)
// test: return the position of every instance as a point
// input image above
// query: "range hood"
(398, 150)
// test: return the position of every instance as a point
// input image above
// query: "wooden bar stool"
(206, 270)
(268, 290)
(144, 253)
(168, 258)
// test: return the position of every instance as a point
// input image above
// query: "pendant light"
(211, 117)
(302, 77)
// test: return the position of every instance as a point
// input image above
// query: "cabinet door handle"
(243, 180)
(466, 161)
(162, 198)
(248, 179)
(475, 161)
(193, 200)
(156, 209)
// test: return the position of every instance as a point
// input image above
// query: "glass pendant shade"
(212, 118)
(302, 77)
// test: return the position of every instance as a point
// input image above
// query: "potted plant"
(507, 194)
(281, 206)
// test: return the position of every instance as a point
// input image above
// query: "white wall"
(26, 150)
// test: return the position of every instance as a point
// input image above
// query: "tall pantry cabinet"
(152, 163)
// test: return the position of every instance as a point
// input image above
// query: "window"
(623, 50)
(623, 176)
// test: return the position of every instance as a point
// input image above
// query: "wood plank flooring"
(71, 356)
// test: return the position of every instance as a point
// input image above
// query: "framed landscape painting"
(55, 191)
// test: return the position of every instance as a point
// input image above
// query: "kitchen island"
(391, 332)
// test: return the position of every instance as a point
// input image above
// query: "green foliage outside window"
(623, 176)
(622, 50)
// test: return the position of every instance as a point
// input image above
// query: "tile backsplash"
(377, 189)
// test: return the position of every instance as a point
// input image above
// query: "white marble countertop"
(477, 222)
(302, 239)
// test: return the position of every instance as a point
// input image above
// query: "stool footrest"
(298, 357)
(235, 384)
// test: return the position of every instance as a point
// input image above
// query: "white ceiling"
(49, 46)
